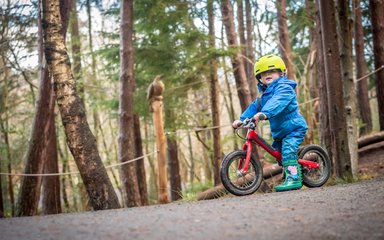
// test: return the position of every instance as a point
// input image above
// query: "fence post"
(155, 101)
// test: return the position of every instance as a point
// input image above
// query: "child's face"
(268, 76)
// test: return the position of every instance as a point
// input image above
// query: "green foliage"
(190, 193)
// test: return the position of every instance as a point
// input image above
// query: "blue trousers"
(288, 146)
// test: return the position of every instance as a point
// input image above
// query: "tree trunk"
(361, 70)
(337, 118)
(173, 156)
(345, 46)
(284, 43)
(140, 168)
(313, 81)
(250, 51)
(37, 151)
(230, 107)
(111, 153)
(309, 77)
(127, 84)
(376, 8)
(214, 86)
(1, 192)
(174, 168)
(93, 78)
(4, 127)
(325, 133)
(80, 139)
(63, 180)
(243, 42)
(76, 49)
(237, 62)
(153, 190)
(51, 184)
(192, 159)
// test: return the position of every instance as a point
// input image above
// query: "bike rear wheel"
(237, 183)
(315, 177)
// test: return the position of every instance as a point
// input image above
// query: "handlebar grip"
(262, 117)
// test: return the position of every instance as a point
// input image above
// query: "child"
(278, 104)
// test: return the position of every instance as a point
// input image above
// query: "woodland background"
(205, 52)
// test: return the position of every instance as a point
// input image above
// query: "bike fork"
(243, 166)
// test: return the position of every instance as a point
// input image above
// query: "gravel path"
(352, 211)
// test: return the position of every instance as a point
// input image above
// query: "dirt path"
(353, 211)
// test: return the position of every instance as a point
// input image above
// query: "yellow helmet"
(268, 62)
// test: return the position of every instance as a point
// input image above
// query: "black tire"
(315, 177)
(240, 185)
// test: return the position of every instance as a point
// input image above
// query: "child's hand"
(260, 116)
(236, 124)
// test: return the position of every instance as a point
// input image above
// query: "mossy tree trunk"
(80, 140)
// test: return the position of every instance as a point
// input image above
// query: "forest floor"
(372, 164)
(343, 211)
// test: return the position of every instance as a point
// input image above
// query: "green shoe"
(293, 179)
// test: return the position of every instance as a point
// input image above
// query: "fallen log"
(370, 139)
(219, 190)
(371, 147)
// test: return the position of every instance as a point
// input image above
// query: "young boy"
(278, 104)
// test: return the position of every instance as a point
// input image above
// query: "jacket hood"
(284, 80)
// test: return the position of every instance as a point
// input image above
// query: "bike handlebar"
(249, 123)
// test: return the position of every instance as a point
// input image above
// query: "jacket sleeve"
(282, 97)
(250, 111)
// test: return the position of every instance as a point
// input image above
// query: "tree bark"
(4, 127)
(243, 42)
(237, 62)
(153, 188)
(313, 81)
(173, 156)
(214, 87)
(127, 84)
(140, 168)
(174, 168)
(192, 159)
(376, 8)
(76, 49)
(250, 51)
(336, 106)
(361, 70)
(40, 140)
(345, 46)
(325, 133)
(80, 139)
(51, 184)
(284, 43)
(1, 192)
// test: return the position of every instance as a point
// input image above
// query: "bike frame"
(252, 136)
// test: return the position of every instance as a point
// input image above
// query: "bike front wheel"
(315, 177)
(239, 183)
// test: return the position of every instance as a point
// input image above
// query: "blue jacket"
(279, 103)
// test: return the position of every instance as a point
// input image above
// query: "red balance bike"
(241, 172)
